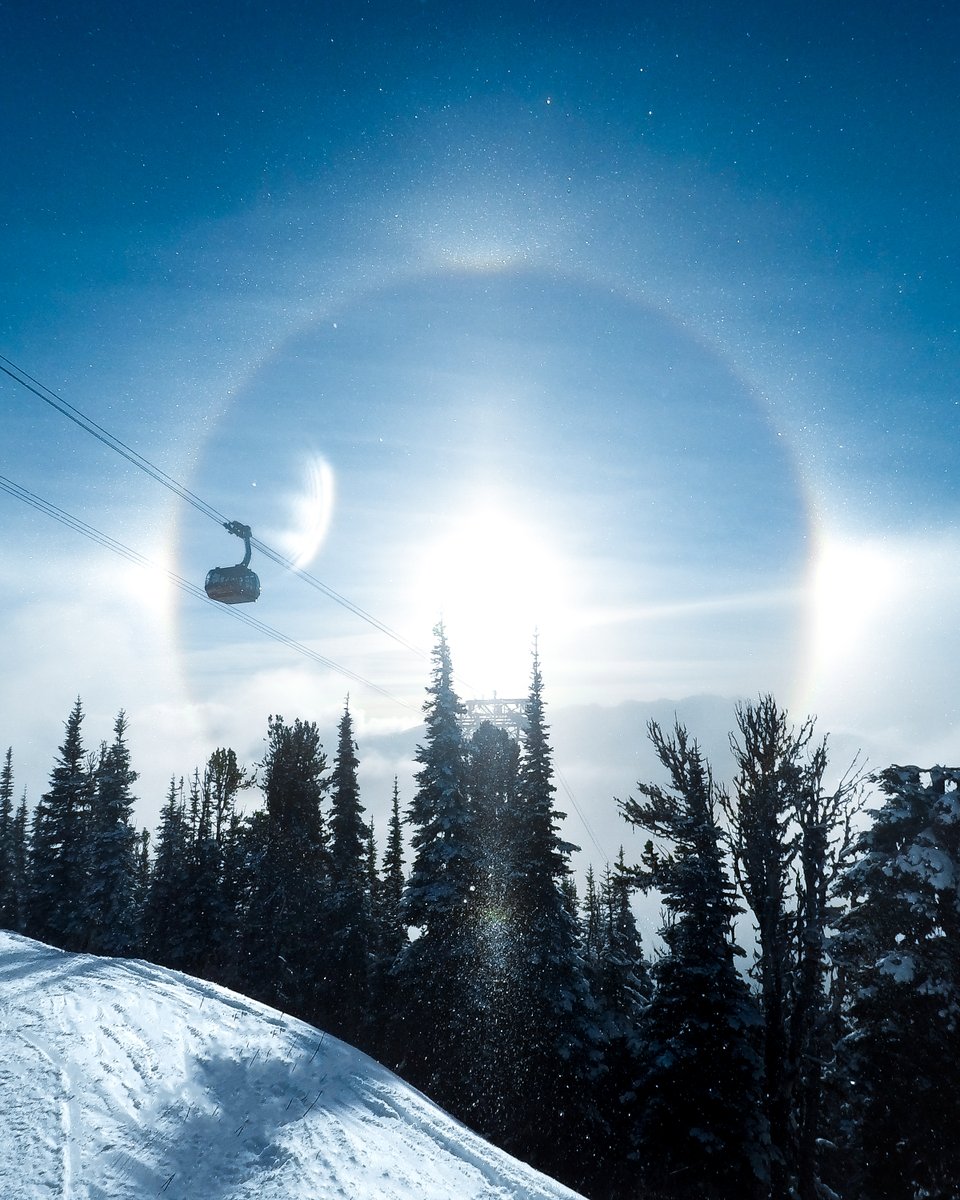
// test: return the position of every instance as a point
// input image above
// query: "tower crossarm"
(502, 713)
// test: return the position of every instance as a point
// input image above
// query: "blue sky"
(634, 326)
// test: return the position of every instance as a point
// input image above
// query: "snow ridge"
(120, 1080)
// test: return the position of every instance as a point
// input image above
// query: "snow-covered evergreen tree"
(220, 861)
(203, 920)
(21, 865)
(108, 901)
(621, 983)
(393, 929)
(625, 981)
(58, 861)
(554, 1041)
(434, 1032)
(594, 942)
(285, 946)
(388, 931)
(768, 754)
(223, 781)
(701, 1130)
(237, 855)
(788, 834)
(348, 921)
(900, 945)
(618, 970)
(198, 882)
(162, 930)
(142, 884)
(8, 882)
(373, 885)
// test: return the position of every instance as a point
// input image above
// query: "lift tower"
(510, 715)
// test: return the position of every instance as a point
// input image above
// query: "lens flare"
(311, 512)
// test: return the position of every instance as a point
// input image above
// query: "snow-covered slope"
(121, 1080)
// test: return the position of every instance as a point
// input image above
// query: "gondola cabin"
(238, 584)
(232, 585)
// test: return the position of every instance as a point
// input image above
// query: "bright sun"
(495, 580)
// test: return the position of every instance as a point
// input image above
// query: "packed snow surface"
(121, 1080)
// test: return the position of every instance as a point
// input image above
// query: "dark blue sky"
(832, 128)
(136, 120)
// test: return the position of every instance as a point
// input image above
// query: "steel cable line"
(88, 425)
(586, 824)
(289, 565)
(133, 556)
(65, 408)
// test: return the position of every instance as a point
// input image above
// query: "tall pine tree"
(393, 930)
(788, 835)
(8, 882)
(203, 920)
(701, 1133)
(285, 944)
(59, 843)
(434, 1032)
(109, 912)
(622, 986)
(349, 916)
(555, 1051)
(388, 934)
(222, 860)
(163, 933)
(21, 866)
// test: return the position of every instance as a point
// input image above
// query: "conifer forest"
(793, 1035)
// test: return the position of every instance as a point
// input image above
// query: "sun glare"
(854, 588)
(495, 580)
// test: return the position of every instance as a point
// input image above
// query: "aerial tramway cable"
(66, 409)
(133, 556)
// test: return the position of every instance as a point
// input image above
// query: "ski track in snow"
(66, 1104)
(121, 1080)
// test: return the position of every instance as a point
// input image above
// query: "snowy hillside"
(121, 1080)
